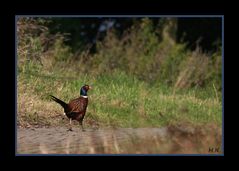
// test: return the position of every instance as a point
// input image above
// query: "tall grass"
(138, 80)
(139, 52)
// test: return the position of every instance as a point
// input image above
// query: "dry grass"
(131, 77)
(122, 103)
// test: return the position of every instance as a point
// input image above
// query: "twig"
(215, 91)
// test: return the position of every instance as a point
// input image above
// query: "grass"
(138, 81)
(117, 100)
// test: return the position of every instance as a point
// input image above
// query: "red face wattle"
(87, 87)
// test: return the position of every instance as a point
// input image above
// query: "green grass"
(117, 100)
(138, 80)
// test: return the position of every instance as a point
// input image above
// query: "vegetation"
(138, 79)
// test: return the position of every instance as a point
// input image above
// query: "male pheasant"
(76, 108)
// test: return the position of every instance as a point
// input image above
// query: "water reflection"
(116, 141)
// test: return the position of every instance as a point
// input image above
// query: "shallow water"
(102, 141)
(59, 140)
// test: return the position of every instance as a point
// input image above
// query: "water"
(107, 141)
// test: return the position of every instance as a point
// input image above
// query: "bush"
(140, 51)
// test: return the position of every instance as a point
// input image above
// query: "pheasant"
(76, 108)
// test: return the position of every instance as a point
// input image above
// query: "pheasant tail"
(63, 104)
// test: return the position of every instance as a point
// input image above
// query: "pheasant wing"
(77, 105)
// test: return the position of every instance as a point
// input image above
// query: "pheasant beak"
(90, 87)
